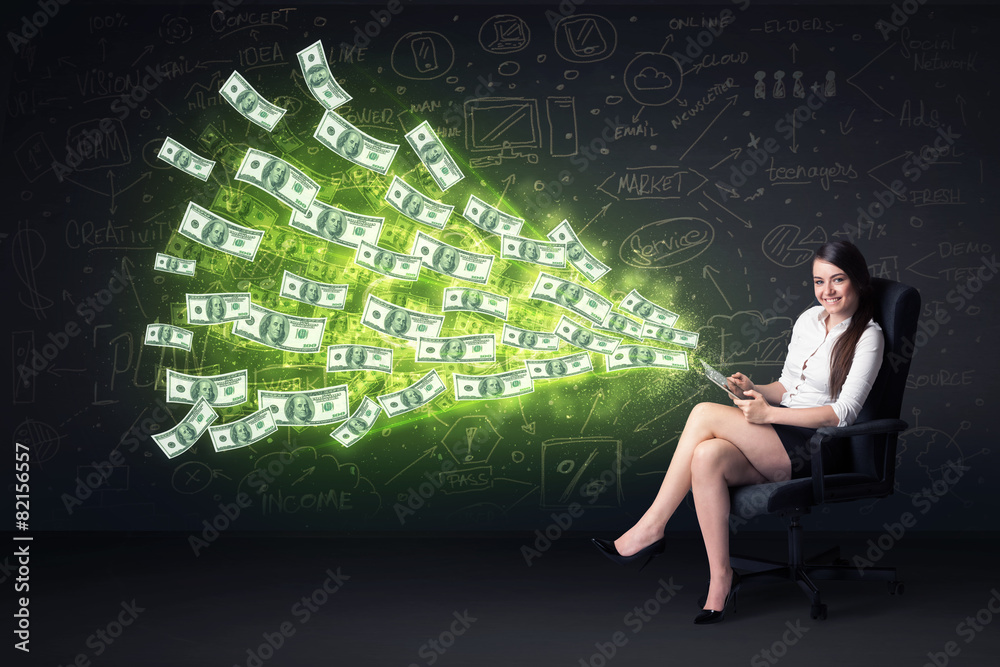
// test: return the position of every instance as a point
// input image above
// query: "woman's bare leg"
(707, 421)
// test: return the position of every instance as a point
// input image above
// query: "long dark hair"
(846, 256)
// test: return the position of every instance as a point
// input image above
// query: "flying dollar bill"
(471, 349)
(645, 309)
(182, 437)
(171, 264)
(560, 367)
(450, 261)
(243, 208)
(316, 407)
(388, 263)
(278, 178)
(201, 225)
(358, 358)
(281, 332)
(421, 392)
(173, 153)
(584, 338)
(620, 324)
(319, 294)
(167, 335)
(577, 255)
(319, 79)
(335, 224)
(432, 153)
(399, 322)
(552, 255)
(217, 308)
(221, 391)
(475, 301)
(491, 219)
(242, 96)
(359, 424)
(416, 206)
(352, 144)
(540, 341)
(668, 335)
(571, 296)
(243, 432)
(643, 356)
(486, 387)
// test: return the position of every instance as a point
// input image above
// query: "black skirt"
(795, 440)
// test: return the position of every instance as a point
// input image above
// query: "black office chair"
(867, 461)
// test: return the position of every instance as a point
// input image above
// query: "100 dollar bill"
(221, 391)
(584, 338)
(201, 225)
(541, 341)
(217, 308)
(420, 393)
(173, 153)
(243, 432)
(399, 322)
(388, 263)
(352, 144)
(552, 255)
(475, 301)
(643, 308)
(167, 335)
(560, 367)
(324, 295)
(581, 258)
(182, 437)
(359, 424)
(668, 335)
(432, 153)
(246, 100)
(471, 349)
(319, 79)
(643, 356)
(451, 261)
(335, 224)
(485, 387)
(315, 407)
(620, 324)
(277, 178)
(281, 332)
(171, 264)
(571, 296)
(416, 206)
(358, 358)
(491, 219)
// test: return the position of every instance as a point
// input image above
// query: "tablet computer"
(719, 380)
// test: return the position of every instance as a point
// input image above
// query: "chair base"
(825, 566)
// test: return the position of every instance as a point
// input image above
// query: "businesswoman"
(833, 358)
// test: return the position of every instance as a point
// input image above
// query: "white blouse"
(806, 374)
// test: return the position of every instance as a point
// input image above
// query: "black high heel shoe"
(708, 616)
(607, 547)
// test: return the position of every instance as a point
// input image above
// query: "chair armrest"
(824, 433)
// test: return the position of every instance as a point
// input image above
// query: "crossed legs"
(717, 449)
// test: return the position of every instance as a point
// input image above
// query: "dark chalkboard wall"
(702, 152)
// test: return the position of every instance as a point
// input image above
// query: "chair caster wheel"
(818, 612)
(895, 587)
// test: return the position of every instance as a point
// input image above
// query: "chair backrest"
(897, 308)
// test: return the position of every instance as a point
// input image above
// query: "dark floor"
(461, 600)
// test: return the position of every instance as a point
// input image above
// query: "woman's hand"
(755, 409)
(740, 381)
